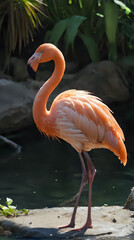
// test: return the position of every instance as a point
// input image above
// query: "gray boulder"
(15, 105)
(104, 79)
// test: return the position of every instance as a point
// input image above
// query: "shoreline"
(108, 221)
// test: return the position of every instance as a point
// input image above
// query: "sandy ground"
(108, 222)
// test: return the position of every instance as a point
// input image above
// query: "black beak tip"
(31, 72)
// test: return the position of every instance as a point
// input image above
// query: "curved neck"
(40, 102)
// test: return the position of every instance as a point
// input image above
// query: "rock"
(104, 79)
(18, 69)
(44, 223)
(130, 201)
(15, 105)
(16, 100)
(71, 67)
(4, 233)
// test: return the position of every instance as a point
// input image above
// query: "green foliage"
(91, 46)
(126, 31)
(18, 21)
(103, 26)
(96, 23)
(73, 19)
(123, 6)
(69, 26)
(111, 23)
(10, 210)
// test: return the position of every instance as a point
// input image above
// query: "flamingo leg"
(83, 182)
(91, 175)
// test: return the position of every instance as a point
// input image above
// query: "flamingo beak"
(31, 72)
(33, 64)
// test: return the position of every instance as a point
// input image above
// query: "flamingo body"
(86, 123)
(75, 116)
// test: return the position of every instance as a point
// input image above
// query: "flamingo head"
(44, 53)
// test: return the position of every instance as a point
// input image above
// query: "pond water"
(47, 173)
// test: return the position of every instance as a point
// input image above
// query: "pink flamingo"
(77, 117)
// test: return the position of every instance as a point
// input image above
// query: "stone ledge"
(113, 222)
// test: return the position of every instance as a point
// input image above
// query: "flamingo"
(77, 117)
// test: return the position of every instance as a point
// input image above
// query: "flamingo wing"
(85, 122)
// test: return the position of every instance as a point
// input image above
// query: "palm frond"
(18, 21)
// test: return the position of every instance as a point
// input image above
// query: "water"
(47, 173)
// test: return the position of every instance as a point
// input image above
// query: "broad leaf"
(72, 30)
(58, 30)
(9, 201)
(91, 46)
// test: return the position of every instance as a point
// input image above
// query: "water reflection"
(47, 173)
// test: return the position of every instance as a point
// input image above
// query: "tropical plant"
(94, 22)
(71, 19)
(114, 12)
(10, 210)
(18, 21)
(126, 32)
(111, 22)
